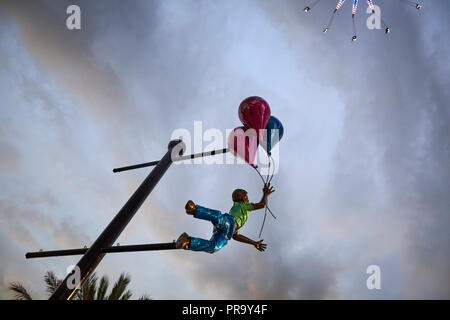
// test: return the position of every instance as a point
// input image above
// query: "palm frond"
(52, 282)
(19, 292)
(89, 288)
(88, 291)
(102, 288)
(127, 295)
(119, 287)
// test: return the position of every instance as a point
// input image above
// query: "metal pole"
(55, 253)
(141, 247)
(130, 248)
(186, 157)
(136, 166)
(94, 255)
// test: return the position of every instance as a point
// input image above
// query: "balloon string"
(265, 211)
(268, 172)
(259, 175)
(273, 172)
(262, 178)
(270, 211)
(264, 221)
(271, 177)
(268, 180)
(264, 182)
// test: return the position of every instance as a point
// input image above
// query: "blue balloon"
(271, 136)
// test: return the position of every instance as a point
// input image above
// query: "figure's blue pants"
(222, 232)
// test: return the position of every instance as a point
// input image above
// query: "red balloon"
(243, 143)
(254, 112)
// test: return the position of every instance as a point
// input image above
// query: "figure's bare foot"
(190, 207)
(183, 241)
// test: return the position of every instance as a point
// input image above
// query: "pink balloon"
(254, 112)
(243, 143)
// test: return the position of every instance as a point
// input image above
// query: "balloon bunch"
(259, 127)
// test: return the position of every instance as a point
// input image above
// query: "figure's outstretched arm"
(267, 190)
(257, 244)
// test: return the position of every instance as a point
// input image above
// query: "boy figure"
(227, 225)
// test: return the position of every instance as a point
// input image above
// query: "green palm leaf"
(102, 288)
(127, 295)
(89, 288)
(19, 291)
(119, 287)
(52, 282)
(88, 291)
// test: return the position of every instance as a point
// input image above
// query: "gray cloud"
(364, 165)
(392, 160)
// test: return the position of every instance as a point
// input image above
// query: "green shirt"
(240, 211)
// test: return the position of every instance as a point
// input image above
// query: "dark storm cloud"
(24, 227)
(396, 137)
(19, 222)
(69, 57)
(157, 64)
(12, 269)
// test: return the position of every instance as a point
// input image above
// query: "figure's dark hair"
(238, 195)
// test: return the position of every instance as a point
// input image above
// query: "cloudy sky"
(364, 170)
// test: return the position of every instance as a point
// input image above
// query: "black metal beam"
(130, 248)
(187, 157)
(141, 247)
(55, 253)
(136, 166)
(94, 255)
